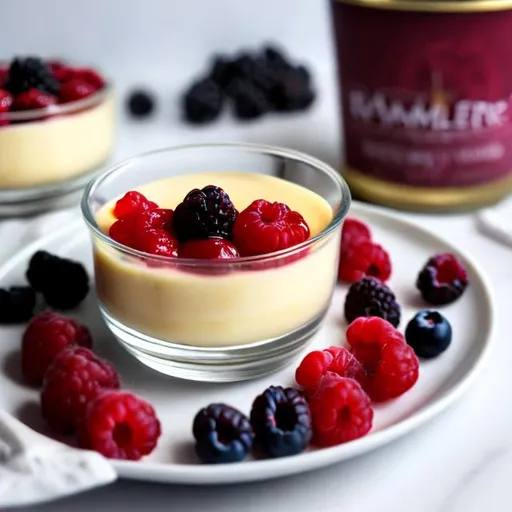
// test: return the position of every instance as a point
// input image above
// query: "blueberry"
(222, 433)
(281, 422)
(429, 334)
(141, 103)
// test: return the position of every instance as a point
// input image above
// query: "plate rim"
(197, 474)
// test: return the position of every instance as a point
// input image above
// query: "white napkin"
(34, 468)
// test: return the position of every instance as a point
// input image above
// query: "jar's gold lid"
(435, 5)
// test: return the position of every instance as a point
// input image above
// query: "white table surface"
(460, 462)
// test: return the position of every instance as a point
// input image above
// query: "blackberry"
(29, 73)
(222, 72)
(64, 283)
(370, 297)
(281, 422)
(276, 58)
(429, 334)
(293, 92)
(140, 103)
(203, 101)
(222, 433)
(442, 280)
(250, 102)
(17, 304)
(204, 213)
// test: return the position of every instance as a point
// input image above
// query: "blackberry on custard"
(31, 73)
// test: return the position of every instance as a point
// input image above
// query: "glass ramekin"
(49, 154)
(214, 320)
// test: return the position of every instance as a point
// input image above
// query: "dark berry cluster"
(256, 84)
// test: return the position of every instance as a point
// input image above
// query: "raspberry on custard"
(74, 90)
(132, 202)
(75, 377)
(45, 336)
(157, 242)
(33, 99)
(391, 366)
(215, 248)
(89, 76)
(361, 258)
(265, 227)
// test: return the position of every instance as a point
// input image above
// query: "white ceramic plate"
(441, 382)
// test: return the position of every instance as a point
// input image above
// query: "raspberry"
(16, 304)
(33, 99)
(132, 202)
(89, 76)
(120, 425)
(370, 297)
(204, 213)
(64, 283)
(265, 227)
(391, 365)
(208, 248)
(157, 242)
(75, 377)
(337, 360)
(362, 258)
(442, 280)
(61, 72)
(222, 433)
(45, 336)
(121, 231)
(31, 73)
(140, 103)
(353, 230)
(5, 101)
(341, 411)
(75, 90)
(202, 102)
(281, 422)
(158, 218)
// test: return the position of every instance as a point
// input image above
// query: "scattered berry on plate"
(371, 297)
(33, 99)
(265, 227)
(204, 213)
(158, 242)
(140, 103)
(363, 258)
(341, 411)
(249, 100)
(16, 304)
(281, 422)
(391, 366)
(429, 334)
(45, 336)
(31, 73)
(64, 283)
(132, 202)
(75, 90)
(75, 377)
(222, 433)
(208, 248)
(336, 360)
(203, 102)
(354, 230)
(293, 92)
(120, 425)
(442, 280)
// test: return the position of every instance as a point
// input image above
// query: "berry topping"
(209, 249)
(265, 227)
(354, 230)
(122, 231)
(46, 335)
(281, 422)
(336, 360)
(16, 304)
(75, 90)
(370, 297)
(204, 213)
(157, 242)
(33, 99)
(64, 283)
(75, 377)
(391, 366)
(61, 71)
(5, 100)
(90, 76)
(158, 218)
(341, 411)
(363, 258)
(132, 202)
(203, 102)
(442, 280)
(120, 425)
(249, 100)
(222, 433)
(140, 103)
(429, 334)
(31, 73)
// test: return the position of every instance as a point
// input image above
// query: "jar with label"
(426, 98)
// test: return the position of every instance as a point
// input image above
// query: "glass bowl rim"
(269, 150)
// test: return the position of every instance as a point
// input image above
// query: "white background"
(460, 462)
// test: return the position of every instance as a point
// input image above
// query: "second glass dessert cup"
(216, 320)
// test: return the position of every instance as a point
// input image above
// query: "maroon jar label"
(426, 97)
